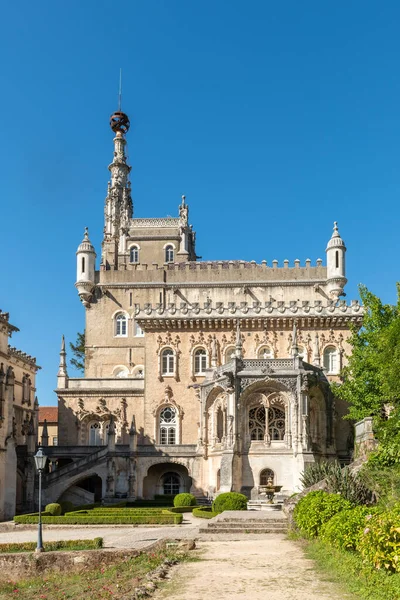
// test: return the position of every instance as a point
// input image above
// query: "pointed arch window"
(121, 325)
(257, 423)
(134, 254)
(169, 253)
(200, 361)
(168, 426)
(171, 484)
(230, 353)
(331, 360)
(95, 434)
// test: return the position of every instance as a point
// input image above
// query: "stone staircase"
(240, 522)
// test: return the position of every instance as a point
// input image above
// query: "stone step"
(259, 521)
(243, 530)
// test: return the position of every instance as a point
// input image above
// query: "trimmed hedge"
(53, 509)
(184, 500)
(315, 509)
(229, 501)
(88, 519)
(66, 506)
(181, 509)
(204, 512)
(52, 546)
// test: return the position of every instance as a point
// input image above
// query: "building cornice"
(211, 284)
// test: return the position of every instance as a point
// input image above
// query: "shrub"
(316, 472)
(315, 509)
(66, 506)
(185, 500)
(349, 485)
(229, 501)
(344, 529)
(204, 512)
(379, 543)
(107, 519)
(53, 509)
(55, 545)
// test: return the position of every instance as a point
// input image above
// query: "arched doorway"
(86, 491)
(166, 479)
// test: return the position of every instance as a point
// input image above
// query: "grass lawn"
(102, 583)
(348, 570)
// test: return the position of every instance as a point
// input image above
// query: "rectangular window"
(55, 441)
(163, 436)
(130, 298)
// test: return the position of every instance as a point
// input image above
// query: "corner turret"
(85, 266)
(336, 267)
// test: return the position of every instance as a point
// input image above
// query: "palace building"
(199, 376)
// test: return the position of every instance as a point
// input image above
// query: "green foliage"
(379, 544)
(108, 516)
(185, 500)
(343, 530)
(52, 546)
(66, 506)
(229, 501)
(365, 386)
(387, 431)
(53, 509)
(204, 512)
(315, 509)
(181, 509)
(355, 578)
(78, 350)
(384, 481)
(316, 472)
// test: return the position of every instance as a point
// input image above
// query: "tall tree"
(78, 350)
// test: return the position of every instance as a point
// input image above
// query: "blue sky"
(274, 118)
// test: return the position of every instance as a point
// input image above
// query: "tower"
(118, 208)
(336, 268)
(85, 265)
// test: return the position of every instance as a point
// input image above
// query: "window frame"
(329, 353)
(168, 430)
(134, 249)
(169, 251)
(170, 362)
(200, 361)
(120, 324)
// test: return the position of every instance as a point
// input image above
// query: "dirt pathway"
(272, 568)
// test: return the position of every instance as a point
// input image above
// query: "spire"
(317, 355)
(295, 348)
(239, 345)
(62, 375)
(45, 434)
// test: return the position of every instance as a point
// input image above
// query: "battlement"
(27, 358)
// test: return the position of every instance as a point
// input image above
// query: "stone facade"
(18, 424)
(209, 374)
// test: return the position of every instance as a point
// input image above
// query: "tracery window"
(169, 254)
(265, 352)
(276, 423)
(257, 423)
(200, 361)
(230, 353)
(134, 254)
(171, 484)
(121, 325)
(274, 419)
(330, 360)
(167, 362)
(168, 425)
(95, 434)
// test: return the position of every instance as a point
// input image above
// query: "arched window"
(230, 353)
(265, 352)
(167, 362)
(267, 477)
(138, 371)
(95, 434)
(330, 360)
(200, 361)
(137, 330)
(121, 372)
(121, 325)
(168, 422)
(276, 423)
(171, 484)
(134, 254)
(257, 423)
(169, 254)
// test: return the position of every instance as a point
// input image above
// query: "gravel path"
(272, 568)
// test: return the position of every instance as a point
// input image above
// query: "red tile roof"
(50, 413)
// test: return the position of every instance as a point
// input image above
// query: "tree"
(78, 350)
(371, 378)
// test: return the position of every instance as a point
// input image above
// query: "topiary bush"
(66, 506)
(229, 501)
(343, 530)
(315, 509)
(185, 500)
(53, 509)
(379, 543)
